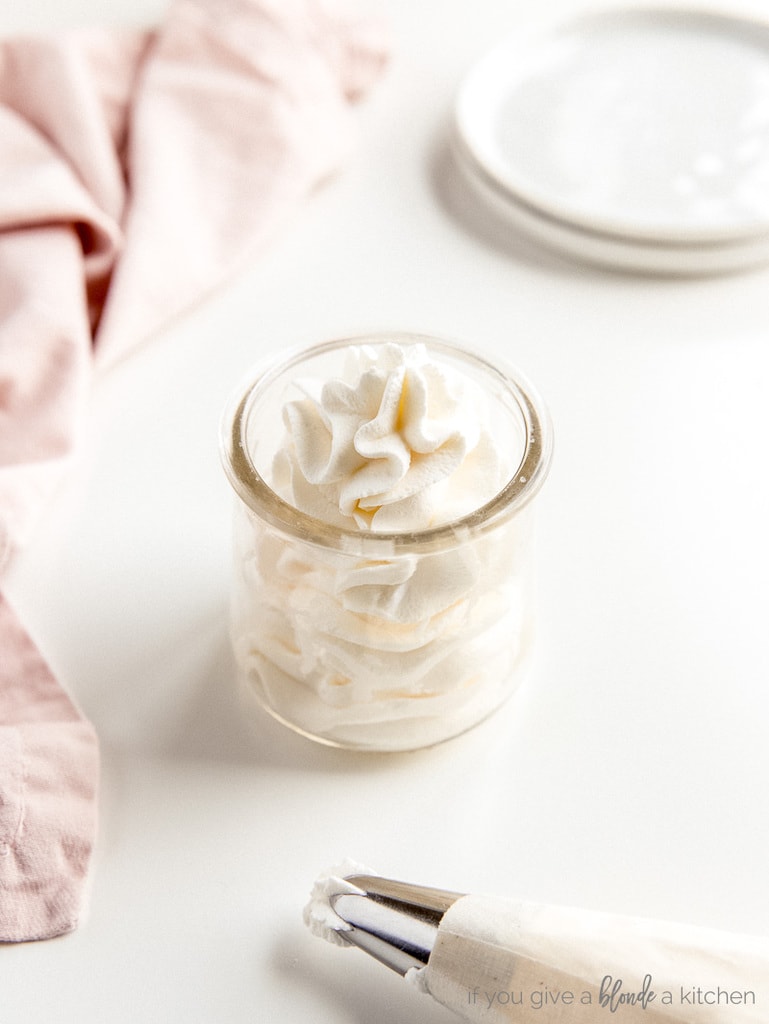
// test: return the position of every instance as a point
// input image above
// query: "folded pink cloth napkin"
(138, 171)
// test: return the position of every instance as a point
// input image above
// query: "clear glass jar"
(318, 627)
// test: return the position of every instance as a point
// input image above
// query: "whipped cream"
(387, 645)
(402, 443)
(318, 914)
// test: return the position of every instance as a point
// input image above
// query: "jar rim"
(254, 490)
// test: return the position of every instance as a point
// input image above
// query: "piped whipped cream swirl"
(400, 444)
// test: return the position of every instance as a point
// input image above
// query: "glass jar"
(327, 630)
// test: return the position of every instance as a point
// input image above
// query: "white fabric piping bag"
(498, 961)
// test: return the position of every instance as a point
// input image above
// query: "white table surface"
(633, 772)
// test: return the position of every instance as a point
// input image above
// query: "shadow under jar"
(382, 639)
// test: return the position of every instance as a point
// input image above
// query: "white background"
(633, 772)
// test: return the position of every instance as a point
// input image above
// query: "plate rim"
(617, 252)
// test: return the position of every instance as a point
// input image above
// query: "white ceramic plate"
(616, 252)
(639, 123)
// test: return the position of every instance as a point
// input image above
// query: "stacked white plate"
(634, 138)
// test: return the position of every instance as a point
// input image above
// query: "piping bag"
(495, 960)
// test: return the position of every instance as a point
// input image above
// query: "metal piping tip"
(395, 922)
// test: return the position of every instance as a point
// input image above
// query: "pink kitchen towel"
(138, 172)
